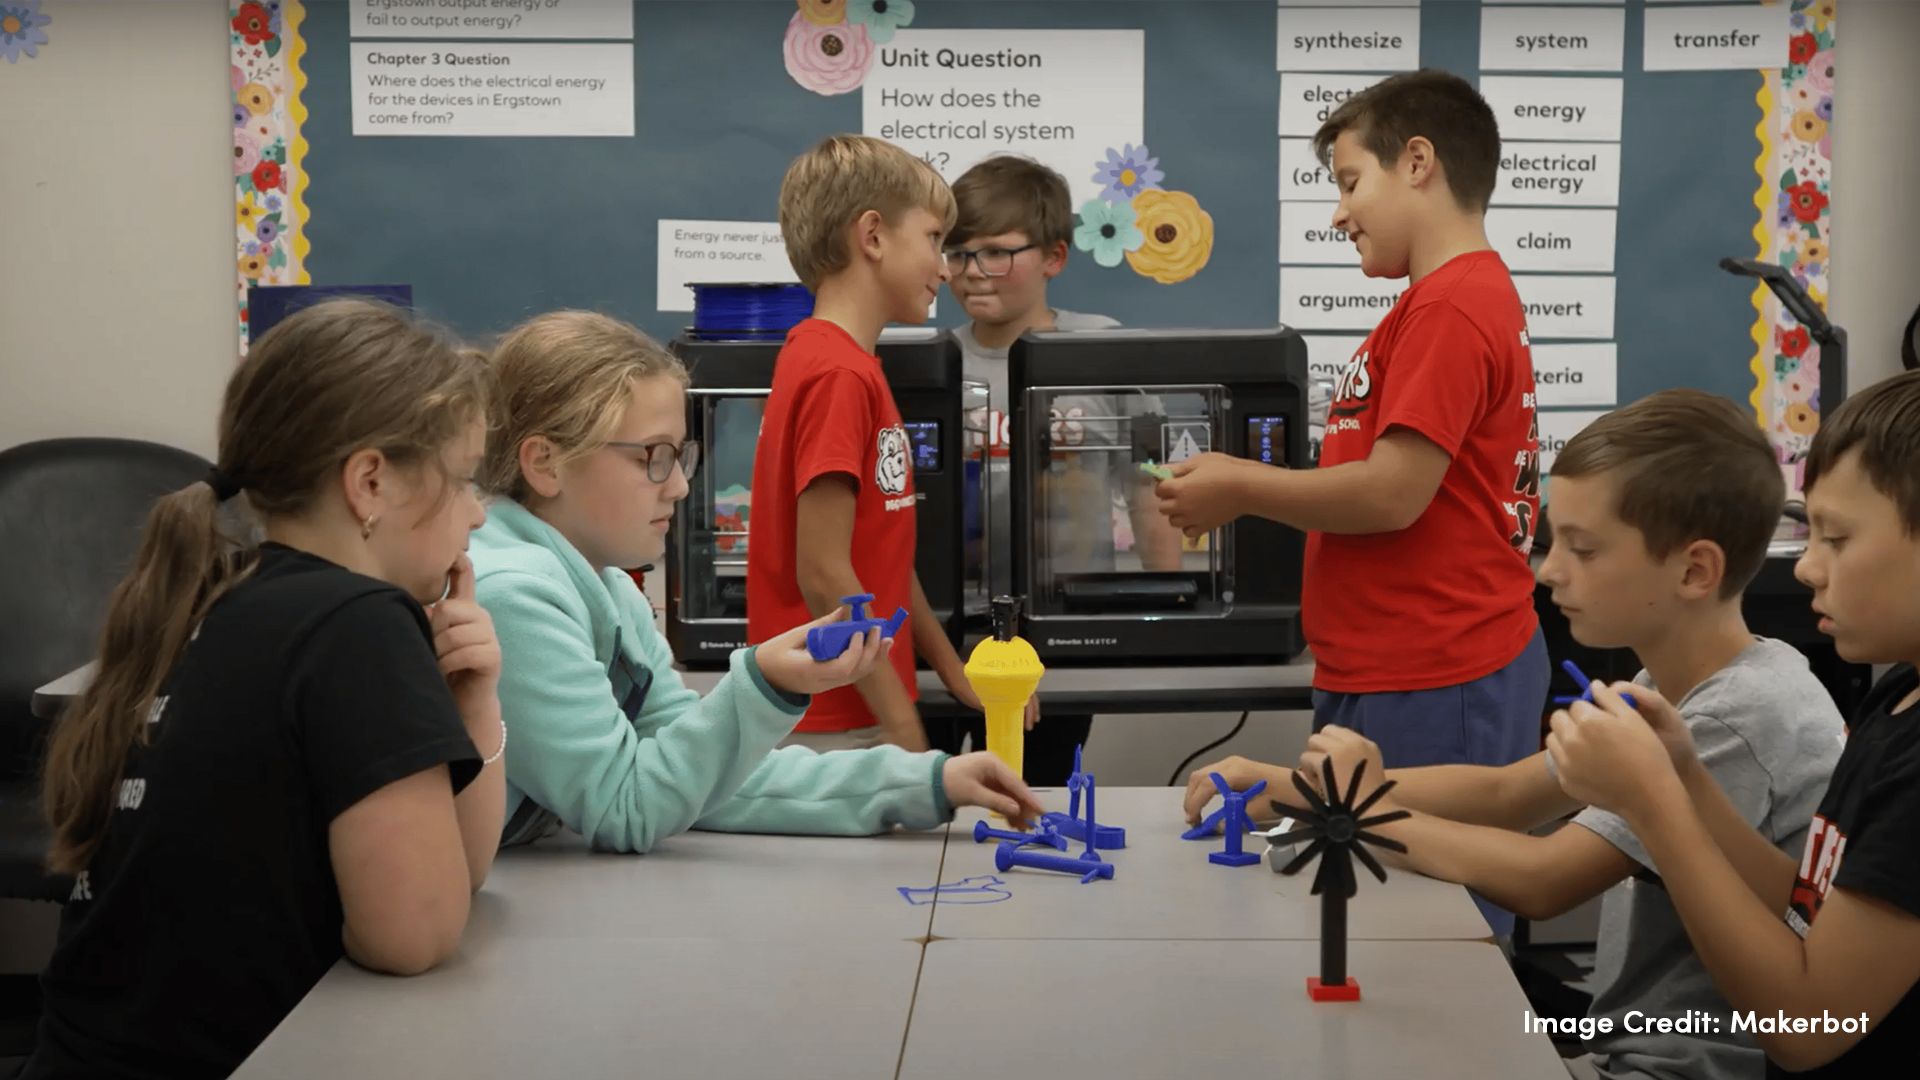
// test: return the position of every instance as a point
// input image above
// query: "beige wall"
(1876, 182)
(117, 257)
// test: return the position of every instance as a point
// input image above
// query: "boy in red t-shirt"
(1418, 599)
(833, 500)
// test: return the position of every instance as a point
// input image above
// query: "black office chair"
(70, 517)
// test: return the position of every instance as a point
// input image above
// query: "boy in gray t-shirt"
(1770, 735)
(1010, 238)
(1660, 515)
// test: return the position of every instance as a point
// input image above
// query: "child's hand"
(1667, 723)
(1608, 756)
(464, 642)
(962, 692)
(1204, 493)
(789, 667)
(1240, 774)
(1345, 748)
(980, 779)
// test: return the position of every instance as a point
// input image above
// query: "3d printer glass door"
(977, 509)
(714, 517)
(1099, 544)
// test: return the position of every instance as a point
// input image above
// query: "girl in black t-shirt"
(1820, 959)
(280, 761)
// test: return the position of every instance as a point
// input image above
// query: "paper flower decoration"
(880, 17)
(1107, 230)
(267, 176)
(1820, 72)
(254, 26)
(258, 99)
(20, 29)
(1806, 201)
(246, 153)
(1178, 236)
(1127, 172)
(827, 59)
(824, 12)
(247, 213)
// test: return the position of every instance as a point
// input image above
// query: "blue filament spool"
(762, 311)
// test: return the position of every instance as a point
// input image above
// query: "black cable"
(1221, 741)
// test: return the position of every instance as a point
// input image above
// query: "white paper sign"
(1556, 428)
(1301, 174)
(1556, 239)
(1699, 38)
(1307, 98)
(1335, 298)
(513, 88)
(1327, 354)
(1558, 174)
(1307, 236)
(1061, 97)
(1583, 374)
(735, 252)
(489, 19)
(1340, 39)
(1552, 39)
(1554, 108)
(1565, 306)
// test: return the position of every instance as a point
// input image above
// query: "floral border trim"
(1793, 229)
(297, 139)
(269, 174)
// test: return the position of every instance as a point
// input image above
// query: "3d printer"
(1106, 577)
(706, 592)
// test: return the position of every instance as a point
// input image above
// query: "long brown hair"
(331, 380)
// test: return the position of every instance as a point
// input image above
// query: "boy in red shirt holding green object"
(1417, 598)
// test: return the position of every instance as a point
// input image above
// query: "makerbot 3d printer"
(1106, 577)
(706, 593)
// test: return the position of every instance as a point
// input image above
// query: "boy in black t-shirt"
(1819, 960)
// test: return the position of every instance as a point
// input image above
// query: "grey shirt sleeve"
(1730, 760)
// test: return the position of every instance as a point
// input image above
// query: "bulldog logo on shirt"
(891, 464)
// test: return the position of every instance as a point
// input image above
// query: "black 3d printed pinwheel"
(1338, 831)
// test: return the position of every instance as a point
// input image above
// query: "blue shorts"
(1493, 720)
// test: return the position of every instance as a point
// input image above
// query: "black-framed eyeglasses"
(660, 457)
(993, 261)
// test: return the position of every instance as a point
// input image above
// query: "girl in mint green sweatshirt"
(587, 459)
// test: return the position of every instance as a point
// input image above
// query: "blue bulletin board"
(490, 229)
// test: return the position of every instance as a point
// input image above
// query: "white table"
(1210, 1010)
(520, 1008)
(1164, 887)
(699, 884)
(727, 956)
